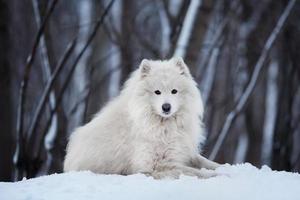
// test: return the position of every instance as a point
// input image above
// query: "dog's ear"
(145, 68)
(183, 69)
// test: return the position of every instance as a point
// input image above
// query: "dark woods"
(61, 61)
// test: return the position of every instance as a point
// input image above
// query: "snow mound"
(241, 182)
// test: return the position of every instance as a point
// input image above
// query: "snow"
(242, 181)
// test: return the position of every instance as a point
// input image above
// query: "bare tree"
(243, 100)
(80, 53)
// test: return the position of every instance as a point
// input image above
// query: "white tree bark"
(166, 29)
(46, 69)
(187, 27)
(242, 146)
(208, 79)
(79, 82)
(174, 6)
(212, 36)
(270, 113)
(115, 58)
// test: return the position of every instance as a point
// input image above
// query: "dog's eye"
(174, 91)
(157, 92)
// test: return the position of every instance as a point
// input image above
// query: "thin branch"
(91, 37)
(104, 77)
(73, 67)
(208, 79)
(213, 45)
(37, 114)
(250, 87)
(165, 5)
(46, 71)
(165, 26)
(177, 25)
(23, 89)
(215, 39)
(112, 34)
(249, 26)
(42, 44)
(146, 43)
(82, 99)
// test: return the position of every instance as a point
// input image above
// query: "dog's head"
(168, 86)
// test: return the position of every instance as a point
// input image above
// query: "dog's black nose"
(166, 107)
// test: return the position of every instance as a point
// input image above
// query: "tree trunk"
(6, 136)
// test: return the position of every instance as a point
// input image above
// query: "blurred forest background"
(61, 61)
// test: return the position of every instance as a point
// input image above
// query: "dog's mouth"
(166, 114)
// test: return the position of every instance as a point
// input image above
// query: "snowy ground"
(244, 182)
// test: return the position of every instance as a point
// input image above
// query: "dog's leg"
(200, 173)
(202, 162)
(171, 173)
(176, 170)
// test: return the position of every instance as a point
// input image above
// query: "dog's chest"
(167, 146)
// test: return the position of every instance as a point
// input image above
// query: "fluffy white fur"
(132, 134)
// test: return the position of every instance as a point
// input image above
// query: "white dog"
(153, 127)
